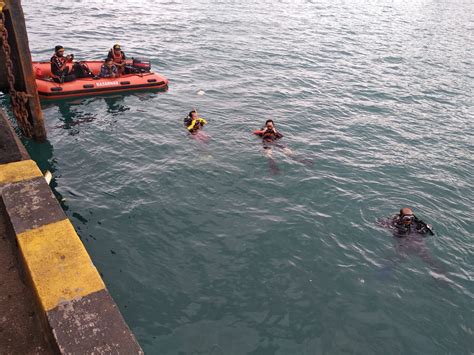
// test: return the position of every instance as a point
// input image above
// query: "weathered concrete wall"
(79, 314)
(20, 318)
(22, 67)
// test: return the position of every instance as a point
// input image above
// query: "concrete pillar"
(22, 67)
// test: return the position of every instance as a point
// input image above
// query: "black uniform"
(416, 226)
(58, 75)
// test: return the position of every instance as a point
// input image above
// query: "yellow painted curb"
(18, 171)
(58, 264)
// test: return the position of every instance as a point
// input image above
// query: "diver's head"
(406, 215)
(193, 114)
(269, 124)
(117, 48)
(59, 50)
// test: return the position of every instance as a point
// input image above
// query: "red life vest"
(117, 57)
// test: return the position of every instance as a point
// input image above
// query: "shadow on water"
(42, 154)
(72, 115)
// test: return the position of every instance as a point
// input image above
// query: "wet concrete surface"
(20, 330)
(20, 327)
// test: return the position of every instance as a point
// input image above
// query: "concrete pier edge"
(79, 315)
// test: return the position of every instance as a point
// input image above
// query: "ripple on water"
(202, 246)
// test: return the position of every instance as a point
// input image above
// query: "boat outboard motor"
(142, 65)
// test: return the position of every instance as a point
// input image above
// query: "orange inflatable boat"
(48, 89)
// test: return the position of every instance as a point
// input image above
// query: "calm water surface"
(204, 249)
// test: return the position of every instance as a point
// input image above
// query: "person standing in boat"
(60, 72)
(118, 57)
(108, 69)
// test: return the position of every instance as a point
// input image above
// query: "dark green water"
(203, 248)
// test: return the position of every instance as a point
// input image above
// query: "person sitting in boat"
(109, 69)
(60, 72)
(193, 122)
(406, 223)
(118, 57)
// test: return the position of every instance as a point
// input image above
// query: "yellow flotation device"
(196, 123)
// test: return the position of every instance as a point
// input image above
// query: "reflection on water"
(74, 112)
(43, 154)
(71, 116)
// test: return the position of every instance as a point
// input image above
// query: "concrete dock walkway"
(20, 329)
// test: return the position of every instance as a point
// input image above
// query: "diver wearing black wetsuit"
(407, 223)
(59, 70)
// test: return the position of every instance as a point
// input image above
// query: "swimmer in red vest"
(269, 135)
(118, 56)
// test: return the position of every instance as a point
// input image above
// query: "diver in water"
(410, 233)
(193, 122)
(406, 223)
(270, 135)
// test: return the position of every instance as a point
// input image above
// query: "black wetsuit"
(58, 75)
(416, 226)
(187, 121)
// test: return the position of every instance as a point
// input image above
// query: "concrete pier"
(73, 309)
(19, 318)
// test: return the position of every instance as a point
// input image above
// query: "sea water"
(210, 247)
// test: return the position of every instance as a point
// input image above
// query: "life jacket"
(194, 125)
(56, 63)
(117, 58)
(270, 135)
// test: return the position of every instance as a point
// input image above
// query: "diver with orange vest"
(269, 132)
(270, 135)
